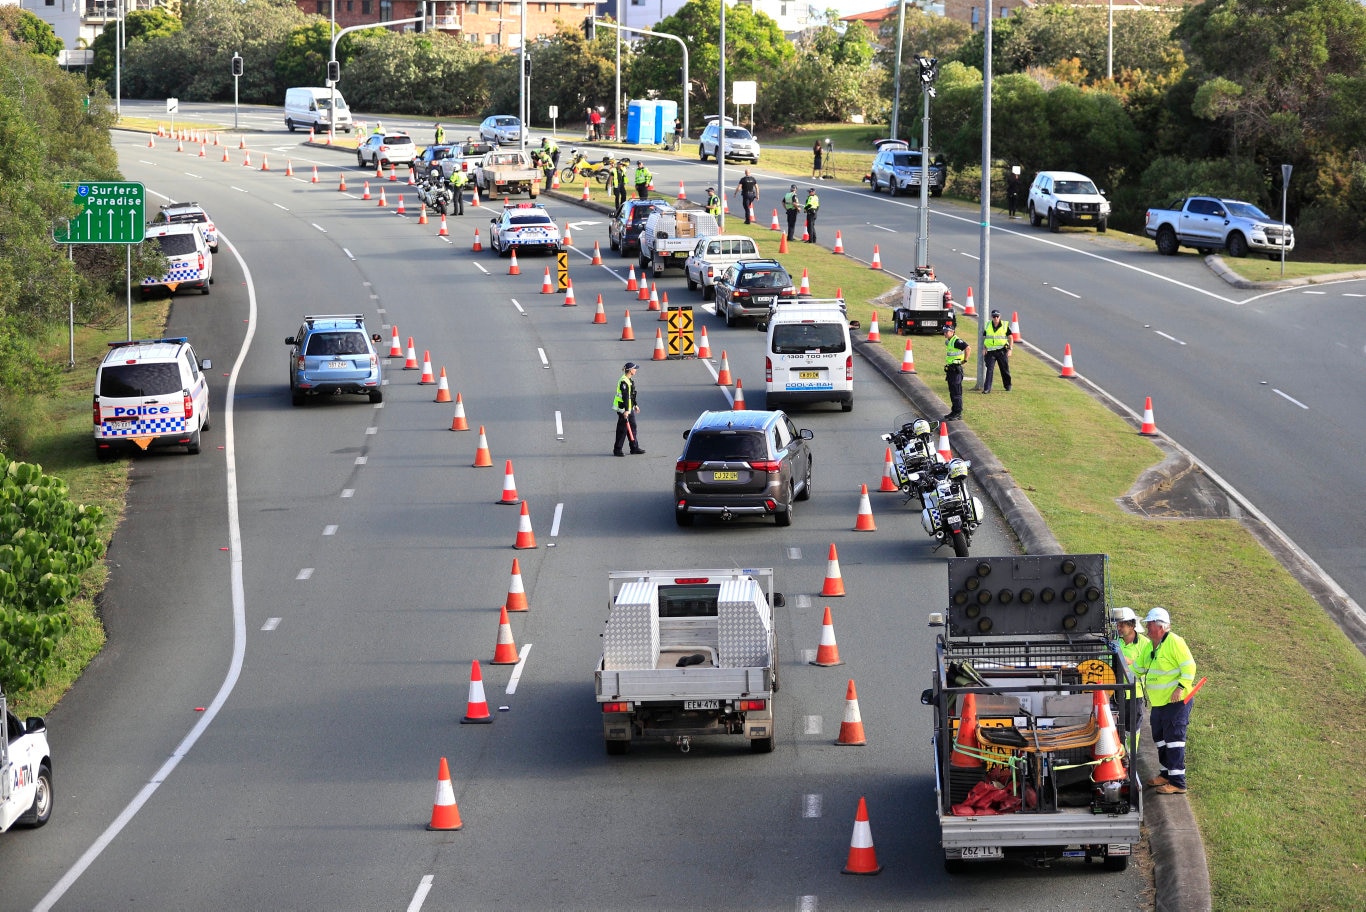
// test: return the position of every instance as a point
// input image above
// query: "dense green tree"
(924, 35)
(138, 24)
(412, 74)
(834, 63)
(21, 26)
(567, 70)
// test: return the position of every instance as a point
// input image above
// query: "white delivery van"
(312, 107)
(809, 356)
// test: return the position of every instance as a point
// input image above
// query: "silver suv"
(747, 463)
(739, 143)
(1067, 198)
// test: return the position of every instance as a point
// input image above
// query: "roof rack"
(177, 340)
(177, 205)
(359, 318)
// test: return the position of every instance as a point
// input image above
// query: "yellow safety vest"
(995, 336)
(952, 353)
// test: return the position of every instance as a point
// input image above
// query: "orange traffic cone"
(704, 345)
(664, 306)
(445, 812)
(806, 238)
(839, 242)
(509, 485)
(246, 159)
(265, 162)
(782, 244)
(1149, 427)
(400, 209)
(828, 652)
(204, 152)
(477, 707)
(834, 582)
(410, 362)
(654, 296)
(627, 333)
(1067, 369)
(395, 349)
(422, 214)
(773, 225)
(443, 388)
(597, 255)
(474, 196)
(851, 728)
(427, 377)
(862, 856)
(312, 137)
(482, 458)
(970, 309)
(411, 181)
(1015, 326)
(888, 485)
(546, 287)
(908, 360)
(382, 201)
(739, 403)
(643, 293)
(966, 748)
(151, 141)
(505, 651)
(723, 375)
(379, 172)
(659, 353)
(241, 141)
(289, 167)
(631, 283)
(393, 172)
(459, 422)
(554, 180)
(600, 315)
(1108, 750)
(225, 154)
(877, 258)
(365, 195)
(568, 238)
(314, 179)
(874, 334)
(341, 184)
(725, 204)
(805, 287)
(682, 194)
(512, 265)
(863, 522)
(569, 300)
(516, 600)
(945, 451)
(179, 146)
(477, 246)
(526, 538)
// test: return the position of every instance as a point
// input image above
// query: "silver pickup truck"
(670, 235)
(1209, 224)
(688, 653)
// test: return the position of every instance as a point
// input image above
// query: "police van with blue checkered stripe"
(150, 393)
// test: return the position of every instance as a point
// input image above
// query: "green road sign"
(112, 212)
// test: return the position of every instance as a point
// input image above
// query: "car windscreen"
(801, 338)
(176, 244)
(764, 278)
(325, 101)
(1247, 211)
(133, 381)
(726, 446)
(336, 343)
(906, 160)
(737, 133)
(506, 122)
(1080, 188)
(398, 140)
(530, 221)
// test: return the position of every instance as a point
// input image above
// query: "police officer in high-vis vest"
(643, 178)
(1168, 672)
(627, 406)
(457, 182)
(996, 346)
(955, 353)
(617, 181)
(792, 206)
(812, 206)
(713, 203)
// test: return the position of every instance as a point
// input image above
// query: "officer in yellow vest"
(457, 182)
(812, 206)
(1168, 671)
(955, 353)
(627, 407)
(713, 203)
(996, 346)
(642, 180)
(792, 207)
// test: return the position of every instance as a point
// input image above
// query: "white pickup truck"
(688, 653)
(25, 771)
(1209, 224)
(670, 234)
(712, 255)
(504, 172)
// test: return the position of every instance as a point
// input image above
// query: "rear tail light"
(95, 406)
(189, 406)
(753, 705)
(301, 362)
(687, 465)
(739, 293)
(849, 368)
(621, 707)
(768, 369)
(771, 506)
(201, 262)
(765, 465)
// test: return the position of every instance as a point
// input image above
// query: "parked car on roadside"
(501, 129)
(1066, 198)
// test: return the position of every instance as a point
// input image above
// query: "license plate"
(725, 476)
(765, 299)
(1086, 218)
(338, 365)
(701, 704)
(119, 425)
(808, 375)
(982, 852)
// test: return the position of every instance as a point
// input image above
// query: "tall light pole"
(616, 100)
(984, 260)
(721, 119)
(1109, 44)
(929, 72)
(896, 77)
(523, 76)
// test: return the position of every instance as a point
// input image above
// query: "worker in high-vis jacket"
(1167, 670)
(627, 406)
(1131, 644)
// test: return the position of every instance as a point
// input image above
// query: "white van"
(311, 107)
(809, 355)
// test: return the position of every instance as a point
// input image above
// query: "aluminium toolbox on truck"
(688, 653)
(1027, 646)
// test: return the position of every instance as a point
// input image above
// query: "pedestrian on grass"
(627, 406)
(440, 135)
(816, 154)
(996, 346)
(955, 353)
(748, 190)
(1168, 673)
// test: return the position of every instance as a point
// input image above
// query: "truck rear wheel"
(617, 748)
(761, 745)
(1116, 862)
(1166, 241)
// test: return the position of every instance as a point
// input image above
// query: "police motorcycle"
(913, 456)
(952, 513)
(434, 192)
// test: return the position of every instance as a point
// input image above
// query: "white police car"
(174, 213)
(150, 393)
(187, 255)
(524, 226)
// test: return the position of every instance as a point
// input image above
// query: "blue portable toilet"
(666, 112)
(640, 122)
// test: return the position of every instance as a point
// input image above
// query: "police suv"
(150, 393)
(25, 770)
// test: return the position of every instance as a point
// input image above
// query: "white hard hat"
(1124, 614)
(1159, 615)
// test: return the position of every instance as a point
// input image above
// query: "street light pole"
(721, 121)
(522, 74)
(896, 77)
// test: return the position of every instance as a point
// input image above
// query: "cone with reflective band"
(379, 172)
(643, 292)
(862, 855)
(682, 194)
(445, 812)
(723, 375)
(568, 238)
(782, 244)
(410, 361)
(225, 154)
(597, 255)
(654, 296)
(908, 360)
(664, 306)
(179, 146)
(1015, 326)
(151, 141)
(411, 181)
(311, 136)
(422, 214)
(341, 183)
(365, 194)
(805, 287)
(704, 345)
(631, 283)
(382, 200)
(874, 333)
(445, 231)
(246, 160)
(204, 153)
(289, 167)
(599, 315)
(569, 299)
(482, 458)
(1067, 369)
(1108, 749)
(554, 180)
(968, 757)
(863, 522)
(241, 141)
(627, 333)
(513, 268)
(877, 258)
(459, 422)
(314, 179)
(265, 162)
(970, 309)
(888, 472)
(851, 727)
(474, 196)
(395, 349)
(516, 600)
(400, 209)
(427, 377)
(1149, 422)
(659, 353)
(725, 204)
(509, 485)
(739, 404)
(945, 452)
(443, 388)
(526, 538)
(393, 172)
(839, 242)
(828, 652)
(773, 225)
(834, 582)
(477, 246)
(585, 196)
(805, 237)
(546, 286)
(477, 707)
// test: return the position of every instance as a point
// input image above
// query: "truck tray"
(698, 682)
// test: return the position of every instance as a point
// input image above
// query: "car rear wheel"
(784, 516)
(377, 397)
(193, 446)
(683, 518)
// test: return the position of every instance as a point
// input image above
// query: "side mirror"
(290, 340)
(376, 338)
(761, 326)
(855, 324)
(927, 697)
(779, 601)
(34, 724)
(206, 364)
(805, 434)
(686, 433)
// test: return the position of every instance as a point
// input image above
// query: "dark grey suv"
(747, 463)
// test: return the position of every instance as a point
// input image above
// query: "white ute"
(25, 771)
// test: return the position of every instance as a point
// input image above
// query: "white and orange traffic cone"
(828, 652)
(877, 258)
(773, 225)
(314, 179)
(526, 538)
(945, 451)
(839, 242)
(383, 201)
(400, 209)
(782, 244)
(422, 214)
(179, 145)
(246, 159)
(568, 238)
(723, 377)
(631, 283)
(509, 486)
(966, 748)
(888, 485)
(704, 345)
(682, 194)
(476, 247)
(393, 172)
(739, 403)
(834, 582)
(395, 349)
(663, 306)
(1149, 427)
(151, 141)
(599, 315)
(505, 650)
(569, 300)
(643, 292)
(805, 287)
(851, 727)
(516, 600)
(908, 360)
(1108, 750)
(654, 296)
(1067, 369)
(312, 137)
(477, 706)
(546, 286)
(513, 268)
(341, 182)
(443, 387)
(1015, 326)
(445, 812)
(265, 162)
(874, 333)
(241, 141)
(863, 522)
(862, 855)
(379, 172)
(483, 459)
(659, 353)
(289, 167)
(725, 204)
(427, 377)
(459, 422)
(365, 193)
(225, 154)
(474, 195)
(970, 309)
(204, 152)
(627, 333)
(410, 361)
(585, 198)
(597, 255)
